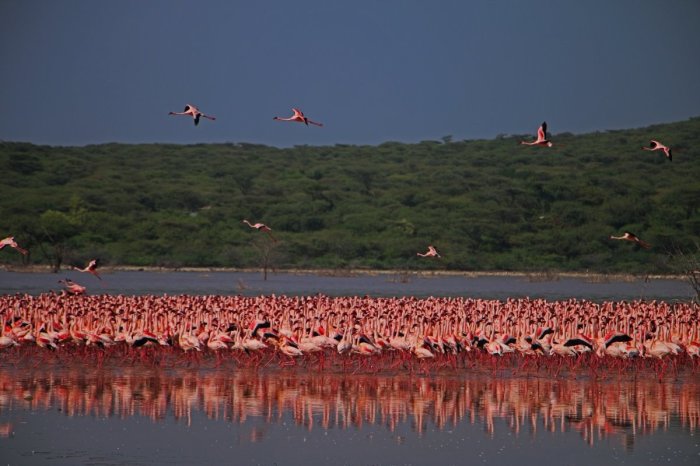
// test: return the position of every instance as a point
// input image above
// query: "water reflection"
(597, 409)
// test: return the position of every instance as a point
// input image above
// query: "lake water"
(190, 413)
(251, 283)
(145, 415)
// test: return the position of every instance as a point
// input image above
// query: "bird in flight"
(432, 252)
(541, 137)
(90, 268)
(194, 113)
(631, 237)
(72, 288)
(260, 227)
(298, 116)
(656, 145)
(10, 241)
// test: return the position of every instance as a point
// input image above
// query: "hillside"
(485, 204)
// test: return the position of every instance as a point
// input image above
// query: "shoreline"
(533, 276)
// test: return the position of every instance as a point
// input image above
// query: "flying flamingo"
(10, 241)
(90, 268)
(260, 227)
(298, 116)
(432, 252)
(656, 145)
(541, 137)
(194, 112)
(627, 236)
(72, 287)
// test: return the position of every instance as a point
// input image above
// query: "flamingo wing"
(577, 341)
(260, 325)
(617, 337)
(642, 243)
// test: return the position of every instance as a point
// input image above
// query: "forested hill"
(484, 204)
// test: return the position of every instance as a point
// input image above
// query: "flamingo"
(217, 342)
(260, 227)
(260, 324)
(422, 352)
(364, 346)
(194, 112)
(6, 340)
(72, 287)
(614, 337)
(299, 117)
(90, 268)
(493, 348)
(541, 137)
(10, 241)
(46, 339)
(289, 348)
(657, 348)
(562, 349)
(345, 343)
(580, 341)
(693, 349)
(656, 145)
(432, 252)
(627, 236)
(186, 339)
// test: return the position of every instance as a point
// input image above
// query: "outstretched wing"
(578, 341)
(259, 325)
(642, 243)
(618, 337)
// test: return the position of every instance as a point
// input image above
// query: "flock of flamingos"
(360, 333)
(382, 332)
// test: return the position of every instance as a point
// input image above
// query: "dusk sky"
(79, 72)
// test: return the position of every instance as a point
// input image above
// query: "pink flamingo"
(260, 227)
(299, 117)
(72, 287)
(631, 237)
(6, 340)
(541, 137)
(90, 268)
(656, 145)
(10, 241)
(432, 252)
(194, 113)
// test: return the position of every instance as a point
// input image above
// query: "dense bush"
(485, 205)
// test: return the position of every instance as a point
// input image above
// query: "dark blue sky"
(79, 72)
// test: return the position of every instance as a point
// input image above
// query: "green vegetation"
(485, 204)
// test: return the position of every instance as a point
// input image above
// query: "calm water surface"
(128, 415)
(249, 283)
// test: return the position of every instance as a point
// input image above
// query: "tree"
(56, 229)
(687, 264)
(268, 253)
